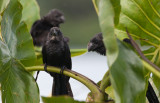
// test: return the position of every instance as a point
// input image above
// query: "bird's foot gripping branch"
(98, 95)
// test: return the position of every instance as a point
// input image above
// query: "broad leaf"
(3, 4)
(16, 36)
(142, 18)
(18, 86)
(60, 99)
(110, 92)
(30, 12)
(77, 52)
(126, 70)
(128, 77)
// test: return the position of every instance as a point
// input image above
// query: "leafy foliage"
(128, 77)
(3, 4)
(110, 92)
(18, 86)
(30, 12)
(124, 70)
(142, 18)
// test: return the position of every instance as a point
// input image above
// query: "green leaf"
(95, 3)
(30, 12)
(60, 99)
(3, 4)
(16, 36)
(77, 52)
(126, 70)
(128, 77)
(142, 18)
(156, 81)
(109, 90)
(18, 86)
(106, 20)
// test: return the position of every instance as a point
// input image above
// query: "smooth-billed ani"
(96, 44)
(56, 53)
(41, 28)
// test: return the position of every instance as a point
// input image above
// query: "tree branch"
(98, 95)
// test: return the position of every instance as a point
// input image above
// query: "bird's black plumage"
(96, 44)
(41, 28)
(56, 53)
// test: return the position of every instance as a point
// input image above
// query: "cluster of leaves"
(17, 85)
(17, 51)
(129, 74)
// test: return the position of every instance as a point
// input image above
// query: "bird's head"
(96, 44)
(55, 17)
(55, 35)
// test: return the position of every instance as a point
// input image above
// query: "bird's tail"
(61, 86)
(151, 95)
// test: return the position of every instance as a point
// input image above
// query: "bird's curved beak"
(55, 33)
(62, 18)
(90, 47)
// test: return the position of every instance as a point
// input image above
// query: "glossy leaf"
(18, 86)
(30, 12)
(110, 92)
(60, 99)
(16, 36)
(3, 4)
(126, 70)
(77, 52)
(128, 77)
(142, 18)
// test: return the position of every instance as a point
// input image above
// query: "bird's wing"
(67, 55)
(44, 54)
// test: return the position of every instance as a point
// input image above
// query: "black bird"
(56, 53)
(41, 28)
(96, 44)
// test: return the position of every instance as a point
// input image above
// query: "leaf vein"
(147, 32)
(155, 45)
(154, 9)
(146, 16)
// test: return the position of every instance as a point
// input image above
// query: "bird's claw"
(62, 69)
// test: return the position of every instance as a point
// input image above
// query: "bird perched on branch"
(56, 53)
(96, 44)
(41, 28)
